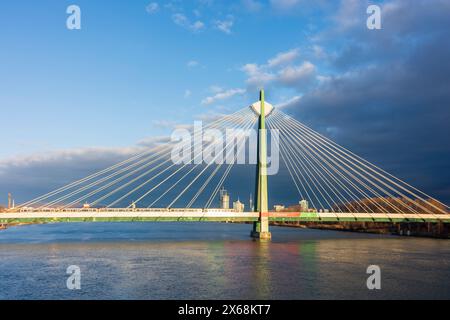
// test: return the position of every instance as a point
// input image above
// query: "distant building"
(238, 206)
(224, 199)
(278, 207)
(304, 206)
(10, 201)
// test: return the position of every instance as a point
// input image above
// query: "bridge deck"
(231, 216)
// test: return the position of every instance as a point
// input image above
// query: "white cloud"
(289, 103)
(323, 79)
(164, 124)
(154, 141)
(85, 154)
(260, 75)
(173, 7)
(281, 70)
(182, 21)
(215, 89)
(35, 174)
(192, 63)
(224, 25)
(197, 25)
(91, 154)
(152, 7)
(349, 14)
(284, 4)
(257, 76)
(210, 117)
(223, 96)
(252, 5)
(319, 52)
(284, 58)
(297, 74)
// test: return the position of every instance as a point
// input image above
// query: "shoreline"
(430, 230)
(5, 226)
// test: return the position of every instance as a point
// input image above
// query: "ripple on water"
(215, 261)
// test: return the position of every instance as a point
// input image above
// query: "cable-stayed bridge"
(333, 184)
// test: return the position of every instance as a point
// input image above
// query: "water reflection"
(185, 261)
(262, 269)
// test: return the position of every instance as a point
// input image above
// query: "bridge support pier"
(261, 232)
(261, 227)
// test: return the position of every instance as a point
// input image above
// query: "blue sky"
(128, 65)
(137, 68)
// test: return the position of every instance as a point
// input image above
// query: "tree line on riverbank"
(385, 205)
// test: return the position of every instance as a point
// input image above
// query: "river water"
(216, 261)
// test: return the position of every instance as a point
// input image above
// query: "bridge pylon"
(261, 227)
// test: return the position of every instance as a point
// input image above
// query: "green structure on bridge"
(261, 227)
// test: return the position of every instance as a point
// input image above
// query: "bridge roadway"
(119, 215)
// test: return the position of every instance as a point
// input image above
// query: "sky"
(76, 101)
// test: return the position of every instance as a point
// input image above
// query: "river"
(216, 261)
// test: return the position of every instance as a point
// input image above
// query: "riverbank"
(426, 230)
(4, 226)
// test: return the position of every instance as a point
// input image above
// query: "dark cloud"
(31, 176)
(390, 101)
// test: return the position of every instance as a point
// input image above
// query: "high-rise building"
(9, 200)
(224, 199)
(304, 206)
(238, 206)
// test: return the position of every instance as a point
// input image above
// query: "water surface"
(216, 261)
